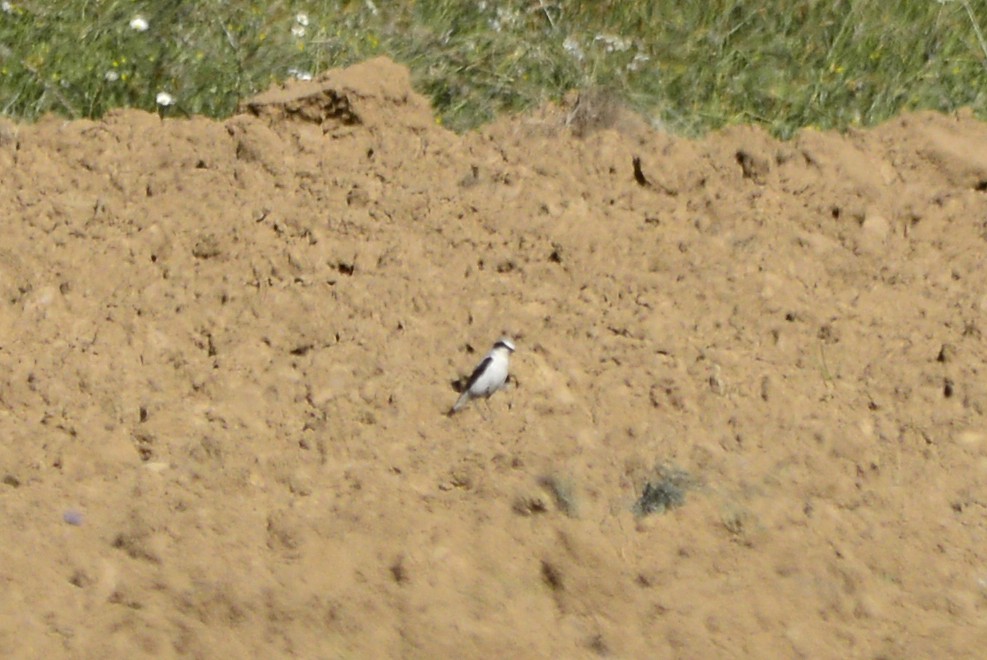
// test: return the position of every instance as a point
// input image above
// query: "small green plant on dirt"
(664, 491)
(689, 67)
(563, 492)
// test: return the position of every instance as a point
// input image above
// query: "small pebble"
(72, 517)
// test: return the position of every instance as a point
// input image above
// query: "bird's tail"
(460, 402)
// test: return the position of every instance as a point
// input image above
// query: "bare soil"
(227, 349)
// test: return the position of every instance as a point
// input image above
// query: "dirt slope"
(226, 349)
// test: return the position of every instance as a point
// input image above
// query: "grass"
(690, 67)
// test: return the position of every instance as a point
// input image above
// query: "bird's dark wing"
(480, 368)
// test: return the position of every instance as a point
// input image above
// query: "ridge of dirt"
(227, 348)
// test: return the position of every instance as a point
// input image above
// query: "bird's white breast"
(493, 378)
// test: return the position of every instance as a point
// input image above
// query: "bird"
(489, 376)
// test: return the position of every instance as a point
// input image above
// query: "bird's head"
(506, 344)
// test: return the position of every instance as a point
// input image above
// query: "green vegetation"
(665, 491)
(689, 66)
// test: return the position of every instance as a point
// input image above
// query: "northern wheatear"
(489, 376)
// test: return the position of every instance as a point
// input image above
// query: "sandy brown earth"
(226, 350)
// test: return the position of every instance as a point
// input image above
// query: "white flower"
(301, 19)
(506, 19)
(371, 7)
(139, 23)
(298, 30)
(7, 7)
(165, 99)
(639, 59)
(111, 76)
(571, 46)
(613, 43)
(298, 74)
